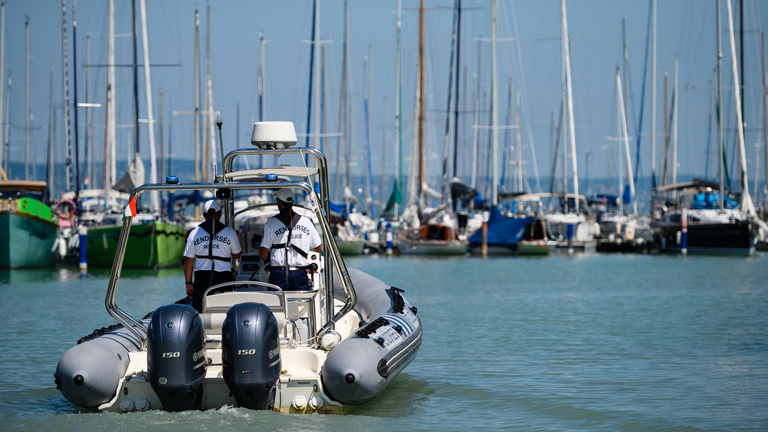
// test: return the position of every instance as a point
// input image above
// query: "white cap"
(285, 195)
(211, 207)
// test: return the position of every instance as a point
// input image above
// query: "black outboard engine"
(250, 354)
(175, 357)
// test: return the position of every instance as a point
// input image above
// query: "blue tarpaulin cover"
(502, 230)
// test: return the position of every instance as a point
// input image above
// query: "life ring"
(65, 209)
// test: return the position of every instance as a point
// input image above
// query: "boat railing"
(330, 250)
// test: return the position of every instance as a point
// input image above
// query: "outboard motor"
(250, 354)
(175, 357)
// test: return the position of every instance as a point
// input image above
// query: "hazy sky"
(529, 57)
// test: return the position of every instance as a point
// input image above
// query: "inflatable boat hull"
(88, 373)
(361, 366)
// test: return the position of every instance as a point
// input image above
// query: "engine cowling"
(250, 354)
(175, 356)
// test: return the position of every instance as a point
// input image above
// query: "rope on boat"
(106, 330)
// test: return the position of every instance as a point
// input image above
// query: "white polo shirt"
(224, 244)
(304, 236)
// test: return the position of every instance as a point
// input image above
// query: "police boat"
(253, 345)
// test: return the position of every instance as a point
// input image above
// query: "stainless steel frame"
(330, 250)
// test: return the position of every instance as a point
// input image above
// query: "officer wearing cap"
(288, 238)
(208, 253)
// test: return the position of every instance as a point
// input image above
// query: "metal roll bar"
(330, 250)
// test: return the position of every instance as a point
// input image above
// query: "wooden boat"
(27, 227)
(431, 239)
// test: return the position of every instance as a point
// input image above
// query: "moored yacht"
(694, 222)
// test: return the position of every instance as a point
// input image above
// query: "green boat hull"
(150, 245)
(26, 241)
(350, 247)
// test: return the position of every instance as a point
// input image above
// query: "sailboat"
(153, 242)
(27, 226)
(701, 217)
(427, 231)
(620, 230)
(508, 230)
(573, 224)
(346, 220)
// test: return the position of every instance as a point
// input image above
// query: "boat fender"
(330, 340)
(65, 209)
(250, 354)
(175, 356)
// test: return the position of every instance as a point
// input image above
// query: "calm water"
(592, 342)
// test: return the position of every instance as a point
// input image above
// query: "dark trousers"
(298, 280)
(203, 280)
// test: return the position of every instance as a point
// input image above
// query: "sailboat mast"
(625, 139)
(765, 124)
(665, 134)
(564, 111)
(476, 135)
(421, 98)
(368, 91)
(51, 162)
(134, 68)
(674, 125)
(6, 134)
(518, 143)
(495, 103)
(197, 100)
(26, 99)
(746, 201)
(2, 72)
(316, 54)
(446, 136)
(571, 123)
(456, 91)
(348, 107)
(619, 135)
(398, 105)
(76, 143)
(207, 103)
(653, 97)
(721, 201)
(311, 71)
(155, 196)
(626, 71)
(161, 171)
(111, 118)
(68, 163)
(89, 168)
(341, 142)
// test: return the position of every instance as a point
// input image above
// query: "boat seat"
(215, 307)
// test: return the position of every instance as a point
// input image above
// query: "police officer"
(288, 238)
(208, 254)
